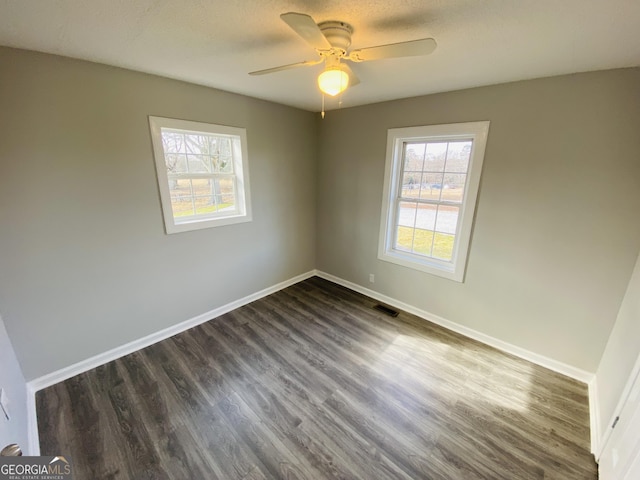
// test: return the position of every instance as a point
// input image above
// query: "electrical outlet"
(372, 278)
(4, 403)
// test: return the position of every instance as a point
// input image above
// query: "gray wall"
(556, 230)
(85, 265)
(621, 353)
(14, 430)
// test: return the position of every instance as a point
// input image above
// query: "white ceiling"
(216, 43)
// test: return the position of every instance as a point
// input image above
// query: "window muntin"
(202, 173)
(428, 203)
(431, 182)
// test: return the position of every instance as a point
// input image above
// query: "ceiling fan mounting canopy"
(338, 34)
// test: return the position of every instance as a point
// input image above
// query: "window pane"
(227, 194)
(207, 195)
(202, 186)
(407, 214)
(426, 217)
(416, 149)
(198, 164)
(224, 164)
(175, 163)
(226, 203)
(422, 242)
(458, 157)
(225, 186)
(214, 146)
(431, 186)
(404, 239)
(413, 156)
(181, 205)
(220, 202)
(198, 144)
(172, 142)
(205, 204)
(447, 219)
(180, 187)
(411, 184)
(443, 246)
(224, 146)
(435, 157)
(453, 190)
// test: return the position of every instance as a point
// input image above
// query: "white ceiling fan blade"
(306, 63)
(413, 48)
(306, 27)
(353, 79)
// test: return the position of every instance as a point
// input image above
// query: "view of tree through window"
(203, 173)
(200, 173)
(434, 175)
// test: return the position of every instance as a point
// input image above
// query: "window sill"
(428, 265)
(199, 224)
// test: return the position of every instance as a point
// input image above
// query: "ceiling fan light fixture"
(333, 80)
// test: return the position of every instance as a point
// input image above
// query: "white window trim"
(396, 138)
(195, 222)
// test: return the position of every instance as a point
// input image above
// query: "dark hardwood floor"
(313, 383)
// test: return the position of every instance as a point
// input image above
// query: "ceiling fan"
(331, 41)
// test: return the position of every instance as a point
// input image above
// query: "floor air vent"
(389, 311)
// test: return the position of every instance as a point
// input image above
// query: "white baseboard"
(551, 364)
(52, 378)
(32, 424)
(594, 416)
(60, 375)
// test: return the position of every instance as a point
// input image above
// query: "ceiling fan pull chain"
(322, 106)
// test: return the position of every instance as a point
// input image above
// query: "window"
(431, 184)
(202, 173)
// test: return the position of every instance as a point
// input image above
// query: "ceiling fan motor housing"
(338, 34)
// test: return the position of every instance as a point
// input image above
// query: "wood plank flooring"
(313, 383)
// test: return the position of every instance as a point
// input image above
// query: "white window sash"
(239, 175)
(477, 133)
